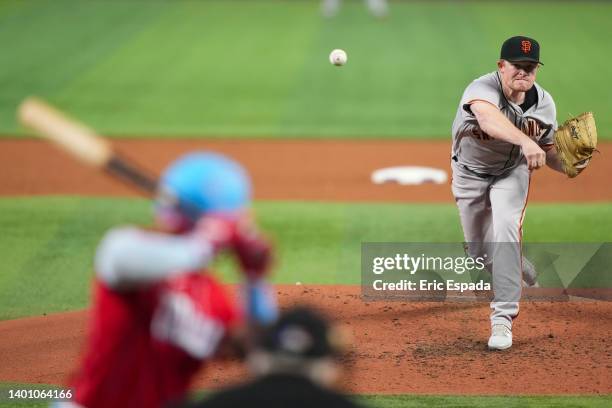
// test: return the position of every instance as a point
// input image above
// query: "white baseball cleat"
(501, 337)
(378, 8)
(330, 8)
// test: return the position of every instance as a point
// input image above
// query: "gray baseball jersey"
(491, 183)
(481, 153)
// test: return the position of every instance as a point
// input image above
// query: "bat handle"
(132, 175)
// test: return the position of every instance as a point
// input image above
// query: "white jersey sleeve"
(485, 89)
(130, 257)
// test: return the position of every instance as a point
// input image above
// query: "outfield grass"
(456, 401)
(47, 243)
(259, 68)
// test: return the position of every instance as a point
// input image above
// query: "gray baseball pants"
(492, 210)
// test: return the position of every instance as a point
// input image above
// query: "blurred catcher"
(157, 314)
(295, 363)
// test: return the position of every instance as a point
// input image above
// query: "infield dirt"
(423, 348)
(284, 169)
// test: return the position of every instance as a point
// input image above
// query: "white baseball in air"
(338, 57)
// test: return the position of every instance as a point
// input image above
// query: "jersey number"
(177, 321)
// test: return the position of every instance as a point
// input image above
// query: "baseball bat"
(82, 143)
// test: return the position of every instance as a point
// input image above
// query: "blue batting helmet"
(204, 182)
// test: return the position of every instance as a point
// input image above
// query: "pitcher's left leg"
(508, 201)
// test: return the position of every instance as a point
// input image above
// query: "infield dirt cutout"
(426, 348)
(285, 169)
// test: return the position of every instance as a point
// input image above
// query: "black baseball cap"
(521, 48)
(302, 333)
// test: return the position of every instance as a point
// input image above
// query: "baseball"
(338, 57)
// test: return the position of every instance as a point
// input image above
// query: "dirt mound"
(427, 348)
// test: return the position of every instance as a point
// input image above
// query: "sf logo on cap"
(526, 46)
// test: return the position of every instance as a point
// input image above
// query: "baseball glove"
(575, 142)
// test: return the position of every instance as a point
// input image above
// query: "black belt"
(480, 175)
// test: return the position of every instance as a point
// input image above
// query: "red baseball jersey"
(145, 345)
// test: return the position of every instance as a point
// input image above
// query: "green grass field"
(461, 401)
(259, 68)
(49, 242)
